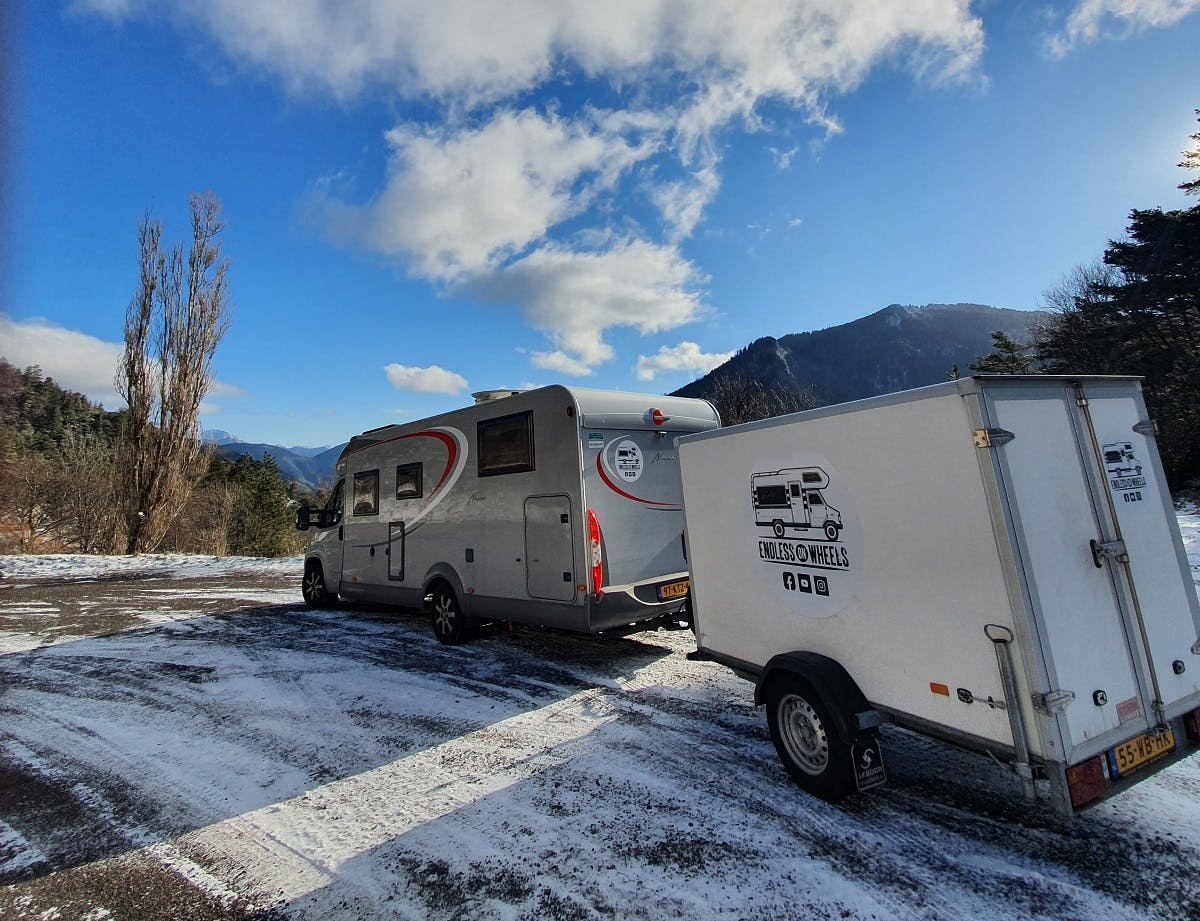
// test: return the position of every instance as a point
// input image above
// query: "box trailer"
(557, 506)
(994, 562)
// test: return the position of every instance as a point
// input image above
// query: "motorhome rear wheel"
(449, 622)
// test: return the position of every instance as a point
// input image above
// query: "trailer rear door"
(1069, 522)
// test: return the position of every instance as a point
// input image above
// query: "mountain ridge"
(896, 348)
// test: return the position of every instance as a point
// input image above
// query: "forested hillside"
(58, 482)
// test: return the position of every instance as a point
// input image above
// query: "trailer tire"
(313, 588)
(831, 530)
(777, 528)
(806, 739)
(449, 622)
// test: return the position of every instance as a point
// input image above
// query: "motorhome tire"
(831, 530)
(806, 740)
(449, 622)
(316, 593)
(777, 527)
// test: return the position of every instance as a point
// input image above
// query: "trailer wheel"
(777, 527)
(807, 743)
(316, 594)
(831, 530)
(449, 622)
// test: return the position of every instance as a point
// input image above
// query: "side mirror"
(303, 516)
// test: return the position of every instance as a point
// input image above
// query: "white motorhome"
(1018, 586)
(557, 506)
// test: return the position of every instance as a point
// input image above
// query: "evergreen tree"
(1007, 357)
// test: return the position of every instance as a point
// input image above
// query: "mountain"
(218, 437)
(309, 452)
(893, 349)
(311, 471)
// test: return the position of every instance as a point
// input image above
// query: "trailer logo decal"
(629, 461)
(1124, 470)
(600, 468)
(817, 547)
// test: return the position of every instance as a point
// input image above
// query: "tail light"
(1086, 782)
(597, 554)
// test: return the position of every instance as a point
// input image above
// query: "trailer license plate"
(673, 590)
(1136, 753)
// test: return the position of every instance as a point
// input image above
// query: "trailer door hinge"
(1053, 702)
(992, 438)
(1147, 427)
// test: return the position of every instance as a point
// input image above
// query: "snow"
(341, 763)
(81, 567)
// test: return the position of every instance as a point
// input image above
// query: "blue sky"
(428, 199)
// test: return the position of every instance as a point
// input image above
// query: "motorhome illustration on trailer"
(792, 499)
(557, 507)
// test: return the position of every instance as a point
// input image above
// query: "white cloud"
(425, 380)
(226, 390)
(683, 357)
(575, 296)
(682, 203)
(460, 201)
(477, 197)
(1089, 18)
(75, 360)
(470, 52)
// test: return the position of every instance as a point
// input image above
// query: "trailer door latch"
(1053, 702)
(1113, 549)
(992, 438)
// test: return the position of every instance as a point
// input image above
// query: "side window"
(506, 444)
(333, 508)
(408, 481)
(366, 493)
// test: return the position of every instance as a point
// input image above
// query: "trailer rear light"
(1191, 725)
(1086, 782)
(596, 553)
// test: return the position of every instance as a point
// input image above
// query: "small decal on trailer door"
(1123, 470)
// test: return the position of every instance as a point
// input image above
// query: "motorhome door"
(549, 548)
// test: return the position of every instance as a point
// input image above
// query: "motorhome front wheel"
(313, 588)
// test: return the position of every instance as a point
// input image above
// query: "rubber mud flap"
(866, 754)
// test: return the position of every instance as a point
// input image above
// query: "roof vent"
(490, 396)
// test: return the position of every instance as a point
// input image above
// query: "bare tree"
(741, 399)
(83, 489)
(173, 326)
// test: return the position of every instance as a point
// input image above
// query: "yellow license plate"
(1136, 753)
(673, 590)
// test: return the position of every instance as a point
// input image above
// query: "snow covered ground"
(179, 736)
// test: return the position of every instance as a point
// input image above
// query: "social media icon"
(806, 583)
(789, 581)
(822, 585)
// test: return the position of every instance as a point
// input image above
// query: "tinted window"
(366, 493)
(506, 444)
(771, 496)
(408, 481)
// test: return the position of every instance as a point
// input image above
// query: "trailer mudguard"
(852, 714)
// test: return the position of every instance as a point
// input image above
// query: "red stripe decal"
(451, 451)
(619, 491)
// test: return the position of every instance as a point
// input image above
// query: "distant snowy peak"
(217, 437)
